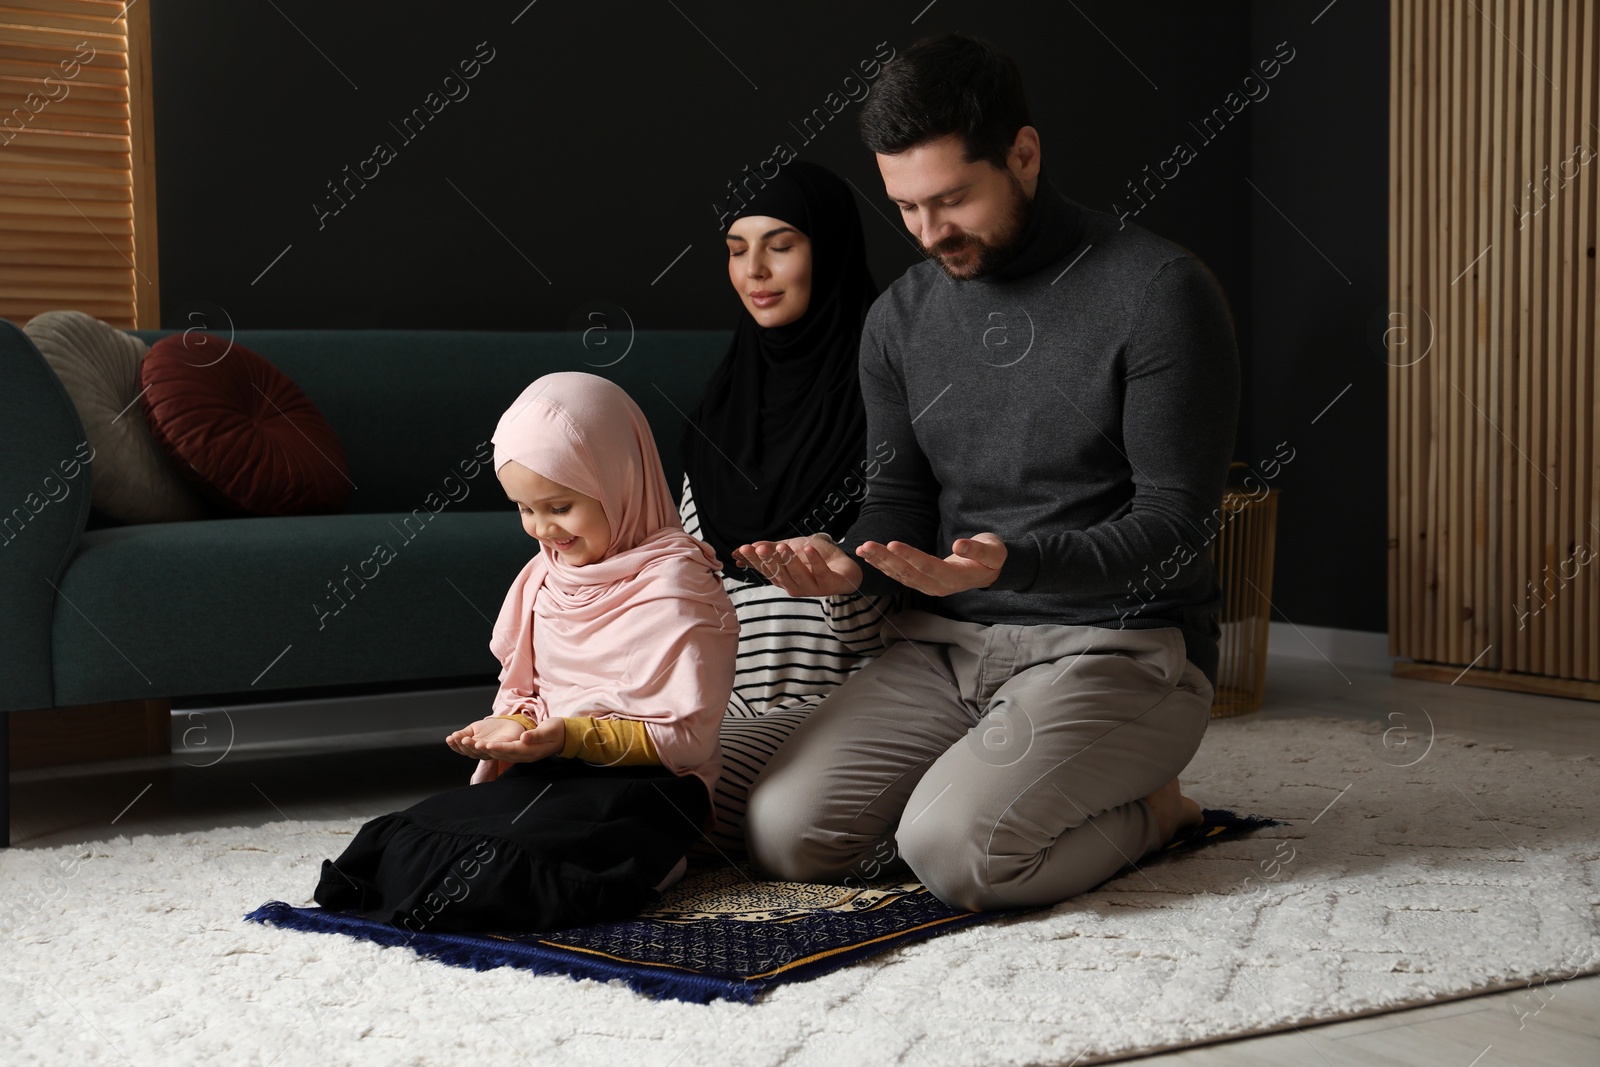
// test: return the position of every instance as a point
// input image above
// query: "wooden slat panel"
(1429, 284)
(1455, 407)
(72, 94)
(18, 113)
(108, 11)
(1541, 361)
(1412, 543)
(69, 23)
(74, 167)
(38, 137)
(1494, 489)
(73, 191)
(1521, 33)
(1559, 431)
(24, 245)
(106, 124)
(141, 108)
(73, 223)
(100, 36)
(1393, 452)
(1496, 610)
(67, 50)
(71, 294)
(39, 207)
(90, 73)
(78, 259)
(64, 177)
(67, 278)
(52, 152)
(70, 168)
(1576, 689)
(114, 311)
(1480, 214)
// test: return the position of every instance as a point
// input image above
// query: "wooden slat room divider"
(77, 162)
(1494, 514)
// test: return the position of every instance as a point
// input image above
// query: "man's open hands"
(502, 738)
(803, 566)
(815, 566)
(973, 563)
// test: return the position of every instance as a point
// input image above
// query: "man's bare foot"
(1173, 810)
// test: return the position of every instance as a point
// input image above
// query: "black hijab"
(783, 410)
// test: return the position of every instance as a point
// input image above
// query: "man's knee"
(971, 866)
(785, 828)
(964, 875)
(953, 865)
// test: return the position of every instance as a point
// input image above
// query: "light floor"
(238, 769)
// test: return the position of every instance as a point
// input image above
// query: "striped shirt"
(792, 652)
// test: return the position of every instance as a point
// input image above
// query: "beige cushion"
(99, 365)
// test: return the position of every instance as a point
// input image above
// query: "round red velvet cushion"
(238, 429)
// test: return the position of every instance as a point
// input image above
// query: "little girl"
(617, 645)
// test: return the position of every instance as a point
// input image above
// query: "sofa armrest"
(44, 505)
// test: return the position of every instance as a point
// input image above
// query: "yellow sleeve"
(611, 742)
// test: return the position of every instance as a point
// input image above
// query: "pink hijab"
(645, 632)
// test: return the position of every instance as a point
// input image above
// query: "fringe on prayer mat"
(715, 934)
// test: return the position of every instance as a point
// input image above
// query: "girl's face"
(769, 263)
(564, 521)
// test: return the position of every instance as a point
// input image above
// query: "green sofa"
(100, 612)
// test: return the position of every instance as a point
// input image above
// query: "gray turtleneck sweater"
(1080, 403)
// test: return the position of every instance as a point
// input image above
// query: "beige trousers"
(1003, 764)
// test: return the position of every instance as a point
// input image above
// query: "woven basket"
(1242, 552)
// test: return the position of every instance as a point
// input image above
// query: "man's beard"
(989, 257)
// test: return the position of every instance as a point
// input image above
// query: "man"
(1060, 390)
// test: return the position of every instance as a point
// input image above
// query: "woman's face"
(566, 522)
(769, 263)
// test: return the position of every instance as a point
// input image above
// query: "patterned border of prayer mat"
(717, 933)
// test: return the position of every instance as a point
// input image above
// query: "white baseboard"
(1351, 648)
(198, 732)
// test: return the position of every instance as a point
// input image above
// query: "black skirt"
(551, 844)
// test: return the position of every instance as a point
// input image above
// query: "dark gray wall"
(581, 168)
(1319, 279)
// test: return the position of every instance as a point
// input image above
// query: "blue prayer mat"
(718, 933)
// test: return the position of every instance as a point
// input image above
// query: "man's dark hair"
(948, 83)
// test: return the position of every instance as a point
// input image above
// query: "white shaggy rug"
(1411, 871)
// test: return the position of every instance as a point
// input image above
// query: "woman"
(776, 448)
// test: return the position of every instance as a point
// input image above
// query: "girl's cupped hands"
(501, 738)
